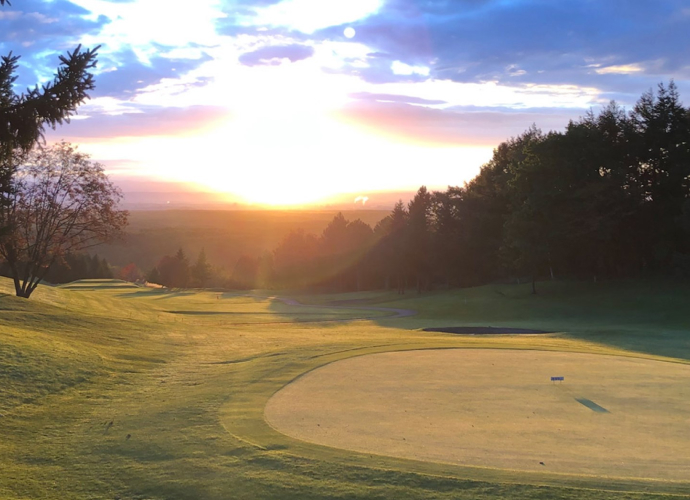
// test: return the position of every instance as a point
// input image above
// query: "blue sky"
(292, 101)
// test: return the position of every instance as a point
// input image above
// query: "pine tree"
(201, 271)
(153, 276)
(418, 246)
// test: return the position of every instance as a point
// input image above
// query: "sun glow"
(282, 143)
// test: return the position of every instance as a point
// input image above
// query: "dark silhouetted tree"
(661, 131)
(76, 266)
(447, 245)
(395, 243)
(245, 273)
(201, 271)
(418, 245)
(154, 276)
(294, 259)
(173, 271)
(359, 241)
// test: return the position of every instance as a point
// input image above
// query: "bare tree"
(59, 202)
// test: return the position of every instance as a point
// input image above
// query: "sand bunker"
(612, 416)
(483, 330)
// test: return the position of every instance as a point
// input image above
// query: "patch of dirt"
(484, 330)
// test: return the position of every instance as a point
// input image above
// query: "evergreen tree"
(201, 271)
(174, 271)
(396, 243)
(154, 276)
(104, 270)
(245, 273)
(24, 116)
(418, 247)
(661, 132)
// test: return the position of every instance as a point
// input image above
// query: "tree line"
(175, 271)
(72, 267)
(606, 197)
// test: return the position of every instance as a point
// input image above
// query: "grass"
(117, 392)
(497, 408)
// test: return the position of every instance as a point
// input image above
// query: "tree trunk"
(17, 286)
(25, 286)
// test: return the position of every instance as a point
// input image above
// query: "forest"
(608, 197)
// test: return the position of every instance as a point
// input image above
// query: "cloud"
(39, 31)
(368, 96)
(55, 24)
(125, 73)
(466, 125)
(142, 121)
(308, 16)
(625, 69)
(273, 55)
(526, 41)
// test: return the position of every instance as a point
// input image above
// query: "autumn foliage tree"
(130, 272)
(59, 202)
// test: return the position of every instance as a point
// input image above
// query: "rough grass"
(113, 393)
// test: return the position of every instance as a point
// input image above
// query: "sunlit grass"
(138, 393)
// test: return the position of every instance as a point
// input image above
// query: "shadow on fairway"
(242, 313)
(484, 330)
(645, 316)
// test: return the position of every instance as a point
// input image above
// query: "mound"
(98, 284)
(483, 330)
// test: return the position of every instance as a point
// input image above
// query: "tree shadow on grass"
(645, 316)
(245, 313)
(159, 293)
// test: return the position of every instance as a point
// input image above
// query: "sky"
(285, 102)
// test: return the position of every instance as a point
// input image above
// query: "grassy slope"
(134, 393)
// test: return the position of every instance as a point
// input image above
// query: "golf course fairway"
(109, 390)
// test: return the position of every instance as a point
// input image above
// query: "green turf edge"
(243, 418)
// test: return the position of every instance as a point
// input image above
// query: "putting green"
(612, 416)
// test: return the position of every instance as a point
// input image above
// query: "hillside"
(225, 235)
